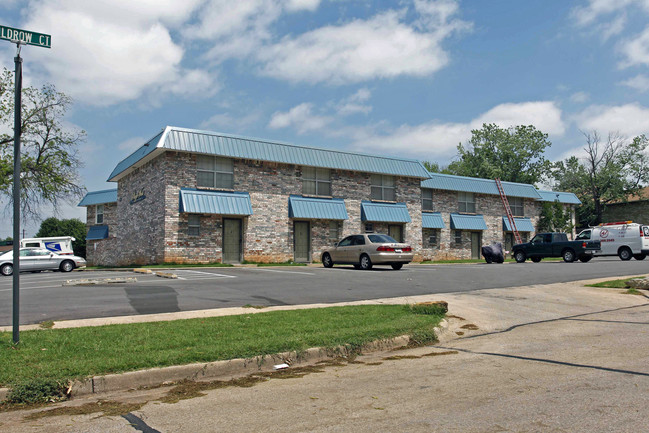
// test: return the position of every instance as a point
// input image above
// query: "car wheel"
(326, 260)
(585, 259)
(625, 253)
(66, 266)
(397, 266)
(365, 262)
(536, 259)
(568, 256)
(519, 256)
(6, 269)
(639, 256)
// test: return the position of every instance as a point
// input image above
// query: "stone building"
(635, 208)
(198, 196)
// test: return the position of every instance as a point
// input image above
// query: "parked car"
(364, 251)
(40, 259)
(555, 245)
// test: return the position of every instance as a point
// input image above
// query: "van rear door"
(645, 239)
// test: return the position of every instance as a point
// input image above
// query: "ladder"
(508, 210)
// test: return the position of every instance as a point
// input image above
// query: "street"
(44, 298)
(558, 357)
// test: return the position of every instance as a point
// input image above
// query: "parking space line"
(284, 272)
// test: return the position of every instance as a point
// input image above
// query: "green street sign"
(27, 37)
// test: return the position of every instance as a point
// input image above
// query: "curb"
(228, 369)
(93, 281)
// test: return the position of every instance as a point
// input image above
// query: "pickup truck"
(555, 245)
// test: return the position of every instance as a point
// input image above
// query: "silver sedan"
(40, 259)
(365, 250)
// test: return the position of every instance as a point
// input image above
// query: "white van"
(57, 244)
(624, 239)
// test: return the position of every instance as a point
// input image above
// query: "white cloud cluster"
(300, 117)
(630, 120)
(639, 82)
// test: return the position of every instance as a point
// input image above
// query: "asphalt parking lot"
(43, 297)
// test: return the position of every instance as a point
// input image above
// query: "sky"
(406, 78)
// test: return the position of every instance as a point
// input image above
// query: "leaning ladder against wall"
(508, 211)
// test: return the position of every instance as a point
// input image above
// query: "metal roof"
(99, 197)
(97, 232)
(561, 197)
(213, 143)
(384, 212)
(317, 208)
(215, 202)
(522, 224)
(480, 186)
(432, 220)
(467, 222)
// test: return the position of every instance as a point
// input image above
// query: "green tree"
(555, 217)
(49, 149)
(610, 171)
(434, 167)
(513, 154)
(69, 227)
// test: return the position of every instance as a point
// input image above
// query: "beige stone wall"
(99, 251)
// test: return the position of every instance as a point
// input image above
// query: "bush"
(38, 391)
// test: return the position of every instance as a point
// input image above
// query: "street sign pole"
(16, 250)
(19, 37)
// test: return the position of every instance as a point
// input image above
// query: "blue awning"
(97, 232)
(317, 208)
(384, 212)
(467, 222)
(432, 220)
(522, 224)
(215, 202)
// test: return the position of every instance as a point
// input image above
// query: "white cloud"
(586, 15)
(639, 82)
(354, 103)
(301, 118)
(299, 5)
(383, 46)
(636, 50)
(579, 97)
(131, 145)
(629, 120)
(440, 140)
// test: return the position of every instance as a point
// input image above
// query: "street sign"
(25, 36)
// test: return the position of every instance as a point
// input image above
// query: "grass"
(58, 355)
(613, 284)
(166, 265)
(507, 260)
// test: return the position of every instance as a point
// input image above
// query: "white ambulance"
(57, 244)
(624, 239)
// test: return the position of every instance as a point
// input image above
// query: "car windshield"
(381, 239)
(583, 235)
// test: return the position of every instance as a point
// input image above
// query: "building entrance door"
(396, 232)
(232, 240)
(476, 244)
(302, 241)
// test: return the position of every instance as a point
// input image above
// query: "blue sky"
(408, 78)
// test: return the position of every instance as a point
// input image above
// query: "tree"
(610, 171)
(70, 227)
(49, 163)
(555, 217)
(514, 154)
(434, 167)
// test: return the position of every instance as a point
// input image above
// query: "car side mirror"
(335, 244)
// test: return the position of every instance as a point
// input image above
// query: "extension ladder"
(508, 210)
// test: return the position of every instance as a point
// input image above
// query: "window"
(466, 202)
(214, 172)
(346, 242)
(382, 188)
(333, 230)
(426, 199)
(517, 206)
(358, 240)
(433, 238)
(99, 214)
(369, 228)
(193, 225)
(458, 237)
(523, 237)
(316, 181)
(585, 235)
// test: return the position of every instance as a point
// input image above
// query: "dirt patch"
(109, 408)
(448, 352)
(452, 316)
(470, 327)
(399, 357)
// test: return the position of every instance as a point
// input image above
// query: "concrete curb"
(166, 275)
(224, 370)
(93, 281)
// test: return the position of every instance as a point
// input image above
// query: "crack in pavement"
(138, 424)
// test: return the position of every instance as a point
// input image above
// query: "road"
(553, 358)
(43, 297)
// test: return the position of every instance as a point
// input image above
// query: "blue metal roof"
(467, 222)
(432, 220)
(215, 202)
(384, 212)
(561, 197)
(480, 186)
(97, 232)
(317, 208)
(99, 197)
(212, 143)
(522, 224)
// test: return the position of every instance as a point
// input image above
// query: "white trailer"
(624, 239)
(57, 244)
